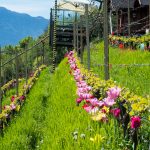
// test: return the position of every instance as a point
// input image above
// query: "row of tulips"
(145, 38)
(17, 101)
(9, 85)
(142, 43)
(103, 99)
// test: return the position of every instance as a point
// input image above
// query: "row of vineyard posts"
(24, 62)
(85, 22)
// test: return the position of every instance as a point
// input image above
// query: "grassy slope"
(134, 77)
(50, 116)
(25, 130)
(64, 118)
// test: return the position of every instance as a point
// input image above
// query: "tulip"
(79, 100)
(12, 98)
(87, 108)
(109, 102)
(116, 112)
(135, 122)
(113, 93)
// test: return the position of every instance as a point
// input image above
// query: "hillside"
(15, 26)
(50, 120)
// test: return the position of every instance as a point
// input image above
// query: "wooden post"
(117, 16)
(106, 48)
(129, 21)
(26, 64)
(74, 36)
(87, 36)
(81, 40)
(110, 21)
(43, 49)
(149, 16)
(51, 29)
(37, 58)
(17, 82)
(54, 37)
(1, 123)
(77, 33)
(63, 18)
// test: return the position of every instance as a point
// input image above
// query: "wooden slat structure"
(64, 28)
(139, 15)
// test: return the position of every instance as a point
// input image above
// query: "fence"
(129, 68)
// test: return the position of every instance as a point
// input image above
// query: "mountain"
(15, 26)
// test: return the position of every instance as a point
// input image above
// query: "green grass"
(50, 119)
(50, 116)
(136, 78)
(24, 131)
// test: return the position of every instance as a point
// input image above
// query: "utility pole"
(106, 48)
(129, 20)
(87, 36)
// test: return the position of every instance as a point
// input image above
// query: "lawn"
(125, 67)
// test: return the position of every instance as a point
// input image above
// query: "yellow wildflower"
(97, 139)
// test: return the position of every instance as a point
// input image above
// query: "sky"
(31, 7)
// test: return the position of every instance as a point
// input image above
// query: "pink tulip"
(135, 122)
(109, 102)
(12, 98)
(116, 112)
(87, 108)
(100, 104)
(22, 98)
(79, 100)
(94, 101)
(113, 93)
(12, 106)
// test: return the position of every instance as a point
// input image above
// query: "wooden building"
(139, 15)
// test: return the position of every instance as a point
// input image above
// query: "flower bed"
(17, 101)
(104, 99)
(11, 84)
(142, 42)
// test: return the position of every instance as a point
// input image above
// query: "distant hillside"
(15, 26)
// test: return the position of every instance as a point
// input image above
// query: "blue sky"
(31, 7)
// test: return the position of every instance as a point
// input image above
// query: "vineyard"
(77, 87)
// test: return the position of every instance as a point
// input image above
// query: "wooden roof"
(117, 4)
